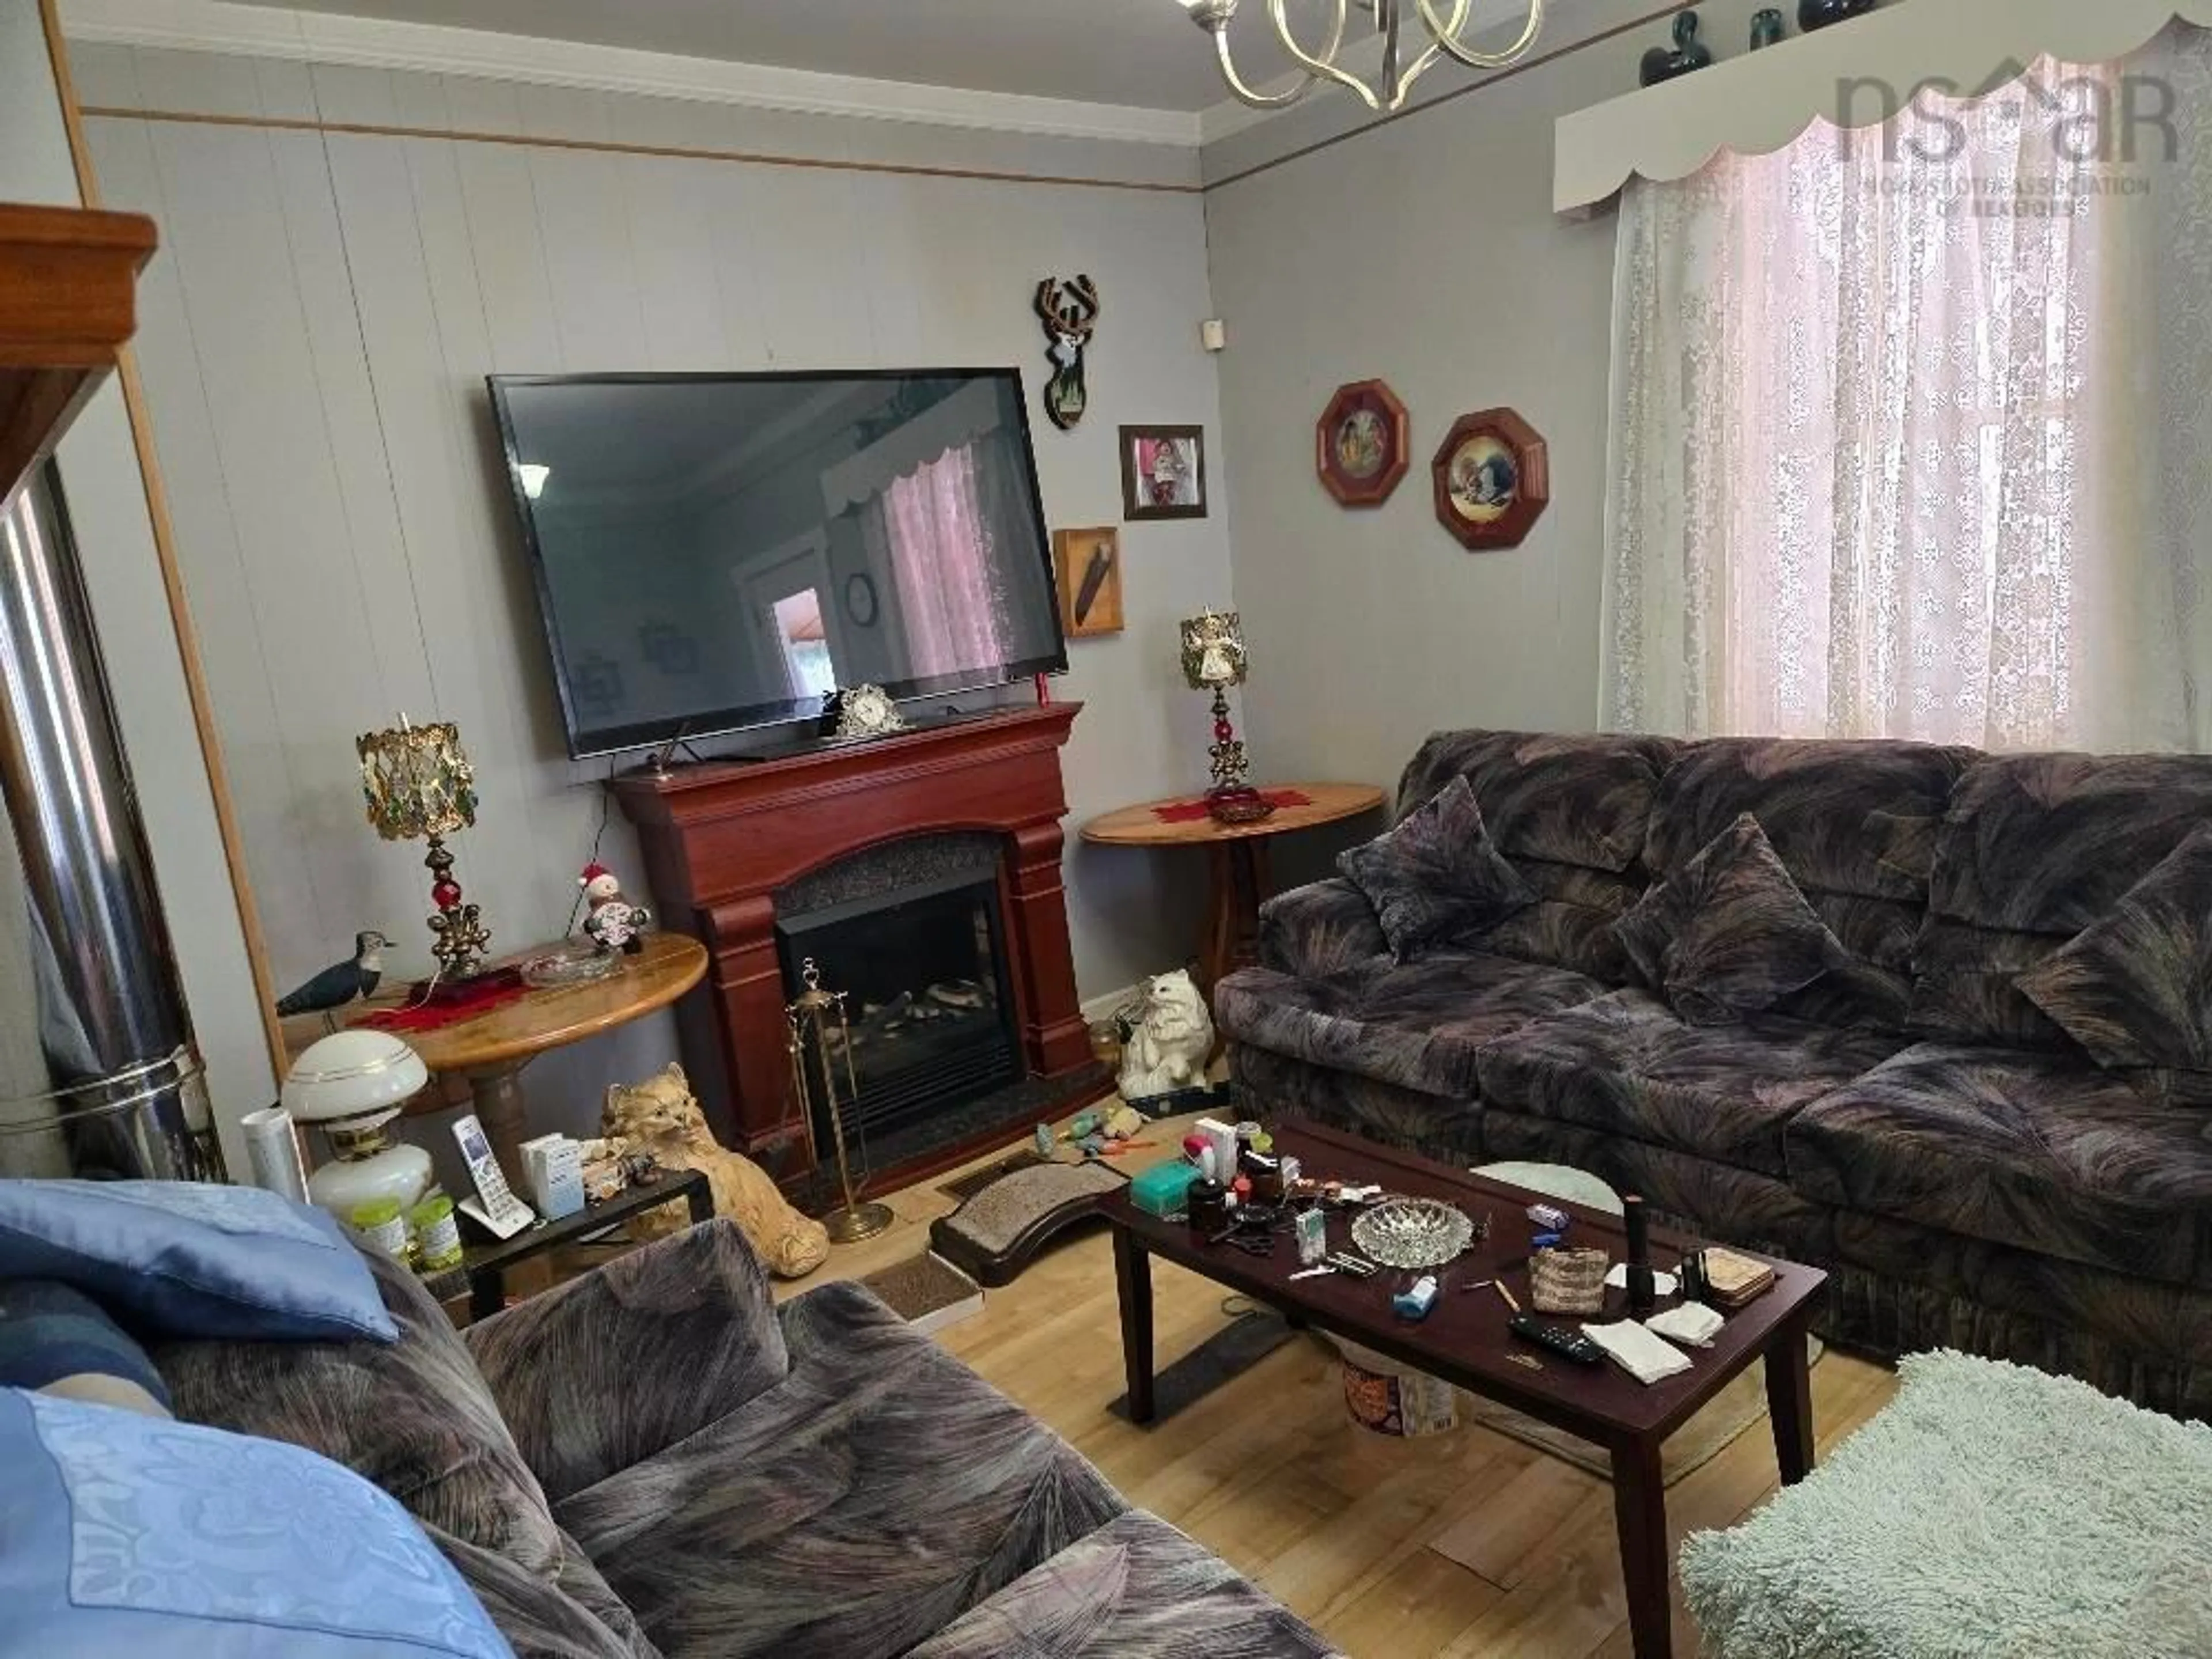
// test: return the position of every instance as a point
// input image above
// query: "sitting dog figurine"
(1170, 1046)
(661, 1117)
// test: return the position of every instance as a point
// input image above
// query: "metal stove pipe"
(98, 1075)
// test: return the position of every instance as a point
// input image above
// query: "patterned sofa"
(1909, 1120)
(656, 1460)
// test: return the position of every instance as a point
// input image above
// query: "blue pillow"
(186, 1258)
(128, 1534)
(59, 1341)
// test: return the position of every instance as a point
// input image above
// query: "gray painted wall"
(108, 503)
(316, 332)
(1424, 251)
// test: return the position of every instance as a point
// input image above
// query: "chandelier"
(1398, 75)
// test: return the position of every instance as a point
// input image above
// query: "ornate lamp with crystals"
(1214, 658)
(418, 784)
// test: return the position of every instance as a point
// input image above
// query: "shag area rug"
(1988, 1512)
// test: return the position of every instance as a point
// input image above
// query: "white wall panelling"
(317, 331)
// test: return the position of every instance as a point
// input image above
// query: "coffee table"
(1465, 1341)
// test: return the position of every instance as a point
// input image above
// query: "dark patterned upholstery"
(1317, 930)
(814, 1479)
(1628, 1065)
(2135, 986)
(697, 1305)
(877, 1493)
(1992, 1190)
(414, 1416)
(1436, 876)
(2035, 848)
(2017, 1149)
(1417, 1025)
(1729, 934)
(1136, 1589)
(1270, 1084)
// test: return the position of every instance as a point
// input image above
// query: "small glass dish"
(1412, 1232)
(574, 964)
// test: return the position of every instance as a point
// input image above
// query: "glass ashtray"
(1412, 1232)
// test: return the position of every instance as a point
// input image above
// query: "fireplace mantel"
(721, 838)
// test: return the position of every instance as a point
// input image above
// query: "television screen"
(716, 552)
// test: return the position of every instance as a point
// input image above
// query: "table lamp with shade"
(1214, 658)
(351, 1085)
(418, 785)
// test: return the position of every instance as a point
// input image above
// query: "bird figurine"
(341, 981)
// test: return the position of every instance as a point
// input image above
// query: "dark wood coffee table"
(1464, 1340)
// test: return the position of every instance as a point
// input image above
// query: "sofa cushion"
(1854, 818)
(572, 1615)
(2034, 849)
(414, 1416)
(1581, 800)
(2029, 1149)
(1318, 929)
(876, 1494)
(1854, 824)
(1417, 1024)
(2134, 988)
(616, 1366)
(1136, 1589)
(1629, 1065)
(1272, 1085)
(1436, 876)
(1729, 934)
(1571, 923)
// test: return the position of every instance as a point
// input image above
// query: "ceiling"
(1139, 53)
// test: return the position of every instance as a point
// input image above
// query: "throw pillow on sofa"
(2132, 986)
(1437, 876)
(55, 1339)
(1730, 933)
(121, 1534)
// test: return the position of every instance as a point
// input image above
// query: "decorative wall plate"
(1493, 479)
(1361, 444)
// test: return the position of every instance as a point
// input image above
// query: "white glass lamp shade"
(351, 1075)
(351, 1084)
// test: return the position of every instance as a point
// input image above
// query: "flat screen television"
(714, 552)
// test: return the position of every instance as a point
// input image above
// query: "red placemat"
(1190, 812)
(451, 1007)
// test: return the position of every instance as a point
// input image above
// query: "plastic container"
(381, 1225)
(437, 1234)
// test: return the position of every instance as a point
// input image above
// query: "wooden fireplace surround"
(721, 837)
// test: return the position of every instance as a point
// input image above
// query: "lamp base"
(848, 1223)
(459, 935)
(1238, 804)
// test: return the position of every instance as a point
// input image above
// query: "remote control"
(1570, 1345)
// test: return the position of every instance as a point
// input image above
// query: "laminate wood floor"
(1339, 1523)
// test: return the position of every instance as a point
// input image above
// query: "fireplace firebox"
(928, 1006)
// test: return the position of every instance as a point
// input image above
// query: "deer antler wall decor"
(1069, 311)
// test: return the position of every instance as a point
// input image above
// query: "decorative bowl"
(1412, 1232)
(572, 965)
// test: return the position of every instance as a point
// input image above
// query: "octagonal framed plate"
(1363, 444)
(1493, 480)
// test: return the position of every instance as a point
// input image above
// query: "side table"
(490, 1049)
(483, 1271)
(1236, 854)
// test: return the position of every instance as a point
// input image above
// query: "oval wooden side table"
(1237, 855)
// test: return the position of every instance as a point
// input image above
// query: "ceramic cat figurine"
(661, 1117)
(1170, 1049)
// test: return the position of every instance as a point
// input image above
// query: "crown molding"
(223, 26)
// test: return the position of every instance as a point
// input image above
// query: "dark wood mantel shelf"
(68, 304)
(721, 838)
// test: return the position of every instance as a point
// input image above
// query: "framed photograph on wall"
(1163, 472)
(1087, 565)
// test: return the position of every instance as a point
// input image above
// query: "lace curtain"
(933, 529)
(1907, 436)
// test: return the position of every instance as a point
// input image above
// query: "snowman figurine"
(614, 923)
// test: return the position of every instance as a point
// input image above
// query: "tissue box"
(553, 1175)
(1161, 1190)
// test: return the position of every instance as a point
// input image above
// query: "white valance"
(959, 419)
(1761, 102)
